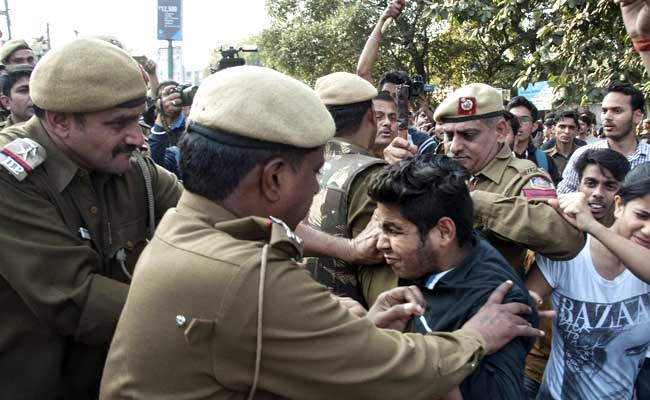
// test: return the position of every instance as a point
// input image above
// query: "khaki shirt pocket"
(128, 239)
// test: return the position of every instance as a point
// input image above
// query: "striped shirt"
(570, 179)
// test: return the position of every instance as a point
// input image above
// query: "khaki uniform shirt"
(505, 207)
(7, 122)
(189, 326)
(61, 288)
(559, 159)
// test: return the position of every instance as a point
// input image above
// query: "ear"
(446, 232)
(6, 102)
(60, 124)
(274, 179)
(618, 210)
(501, 130)
(637, 117)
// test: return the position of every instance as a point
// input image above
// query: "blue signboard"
(539, 93)
(170, 26)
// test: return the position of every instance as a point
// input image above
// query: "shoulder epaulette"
(21, 156)
(285, 238)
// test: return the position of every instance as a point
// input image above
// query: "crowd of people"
(259, 238)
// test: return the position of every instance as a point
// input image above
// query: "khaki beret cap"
(86, 75)
(8, 48)
(474, 101)
(261, 104)
(342, 88)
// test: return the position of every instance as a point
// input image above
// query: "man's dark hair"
(514, 122)
(214, 170)
(636, 184)
(13, 75)
(605, 159)
(348, 117)
(636, 96)
(521, 101)
(569, 114)
(79, 118)
(384, 96)
(586, 118)
(163, 85)
(396, 78)
(424, 189)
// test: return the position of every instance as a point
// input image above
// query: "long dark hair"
(636, 184)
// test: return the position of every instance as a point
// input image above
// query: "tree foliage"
(579, 46)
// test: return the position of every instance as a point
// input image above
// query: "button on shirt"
(570, 179)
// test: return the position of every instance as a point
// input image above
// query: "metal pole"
(8, 19)
(49, 44)
(170, 60)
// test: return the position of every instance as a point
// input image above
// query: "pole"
(170, 60)
(8, 19)
(49, 44)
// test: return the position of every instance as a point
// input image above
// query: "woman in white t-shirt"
(602, 298)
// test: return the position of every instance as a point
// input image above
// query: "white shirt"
(601, 332)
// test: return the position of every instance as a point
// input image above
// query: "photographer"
(392, 79)
(169, 126)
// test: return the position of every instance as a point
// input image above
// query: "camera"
(418, 86)
(187, 92)
(230, 57)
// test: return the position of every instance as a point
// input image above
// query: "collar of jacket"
(496, 168)
(58, 166)
(253, 228)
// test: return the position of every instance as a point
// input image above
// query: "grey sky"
(206, 23)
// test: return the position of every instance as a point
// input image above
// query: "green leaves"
(577, 45)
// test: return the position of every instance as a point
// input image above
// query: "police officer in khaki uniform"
(77, 206)
(14, 94)
(15, 52)
(510, 195)
(219, 308)
(342, 206)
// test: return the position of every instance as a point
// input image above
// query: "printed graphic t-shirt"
(601, 332)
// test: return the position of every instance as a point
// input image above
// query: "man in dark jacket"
(426, 216)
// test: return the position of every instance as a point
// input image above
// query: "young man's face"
(18, 103)
(404, 250)
(566, 130)
(386, 116)
(391, 88)
(526, 122)
(619, 120)
(584, 128)
(549, 131)
(600, 187)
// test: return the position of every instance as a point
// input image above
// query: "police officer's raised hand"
(363, 247)
(636, 16)
(394, 308)
(499, 323)
(398, 150)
